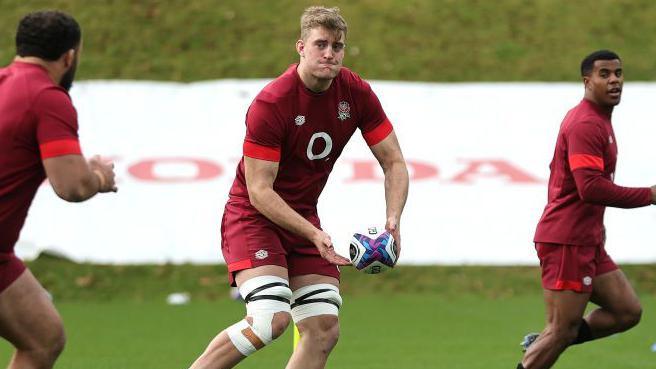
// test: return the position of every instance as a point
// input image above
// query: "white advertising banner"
(478, 156)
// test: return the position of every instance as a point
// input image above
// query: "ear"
(69, 57)
(586, 79)
(300, 48)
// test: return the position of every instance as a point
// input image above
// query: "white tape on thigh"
(316, 299)
(264, 296)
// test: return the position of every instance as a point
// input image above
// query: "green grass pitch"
(410, 331)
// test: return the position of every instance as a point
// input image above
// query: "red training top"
(305, 132)
(37, 121)
(581, 181)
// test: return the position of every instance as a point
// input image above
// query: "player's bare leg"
(619, 306)
(564, 313)
(29, 320)
(319, 333)
(222, 353)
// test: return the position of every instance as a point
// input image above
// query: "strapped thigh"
(316, 299)
(264, 296)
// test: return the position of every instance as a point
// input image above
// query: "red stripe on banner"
(568, 285)
(379, 133)
(255, 151)
(52, 149)
(585, 161)
(240, 265)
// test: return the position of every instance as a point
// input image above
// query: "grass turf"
(409, 331)
(418, 40)
(411, 317)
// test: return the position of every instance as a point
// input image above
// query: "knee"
(54, 343)
(45, 351)
(279, 324)
(323, 332)
(631, 317)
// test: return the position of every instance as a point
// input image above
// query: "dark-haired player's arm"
(595, 189)
(587, 142)
(72, 177)
(75, 179)
(389, 155)
(260, 175)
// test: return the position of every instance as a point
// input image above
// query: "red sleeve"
(585, 146)
(373, 124)
(595, 189)
(57, 126)
(264, 132)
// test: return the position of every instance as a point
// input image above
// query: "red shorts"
(10, 269)
(251, 240)
(572, 267)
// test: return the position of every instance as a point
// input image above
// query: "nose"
(614, 78)
(328, 53)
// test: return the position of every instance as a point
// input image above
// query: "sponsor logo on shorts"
(587, 280)
(262, 254)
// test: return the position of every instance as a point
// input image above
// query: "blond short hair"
(319, 16)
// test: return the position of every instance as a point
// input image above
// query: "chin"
(614, 102)
(326, 75)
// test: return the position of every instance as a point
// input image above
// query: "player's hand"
(104, 170)
(392, 226)
(325, 246)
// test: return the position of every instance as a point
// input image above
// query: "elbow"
(70, 195)
(585, 196)
(589, 197)
(397, 168)
(255, 197)
(78, 193)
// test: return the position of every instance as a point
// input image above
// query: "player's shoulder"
(353, 80)
(31, 83)
(582, 116)
(282, 88)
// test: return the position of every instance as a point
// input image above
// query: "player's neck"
(40, 62)
(602, 108)
(311, 82)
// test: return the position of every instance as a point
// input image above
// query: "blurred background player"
(38, 138)
(272, 240)
(570, 236)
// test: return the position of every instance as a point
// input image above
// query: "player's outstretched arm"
(593, 188)
(260, 175)
(389, 155)
(75, 179)
(586, 145)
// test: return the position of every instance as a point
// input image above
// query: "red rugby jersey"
(37, 121)
(306, 132)
(581, 181)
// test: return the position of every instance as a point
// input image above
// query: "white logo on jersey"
(343, 111)
(326, 150)
(300, 119)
